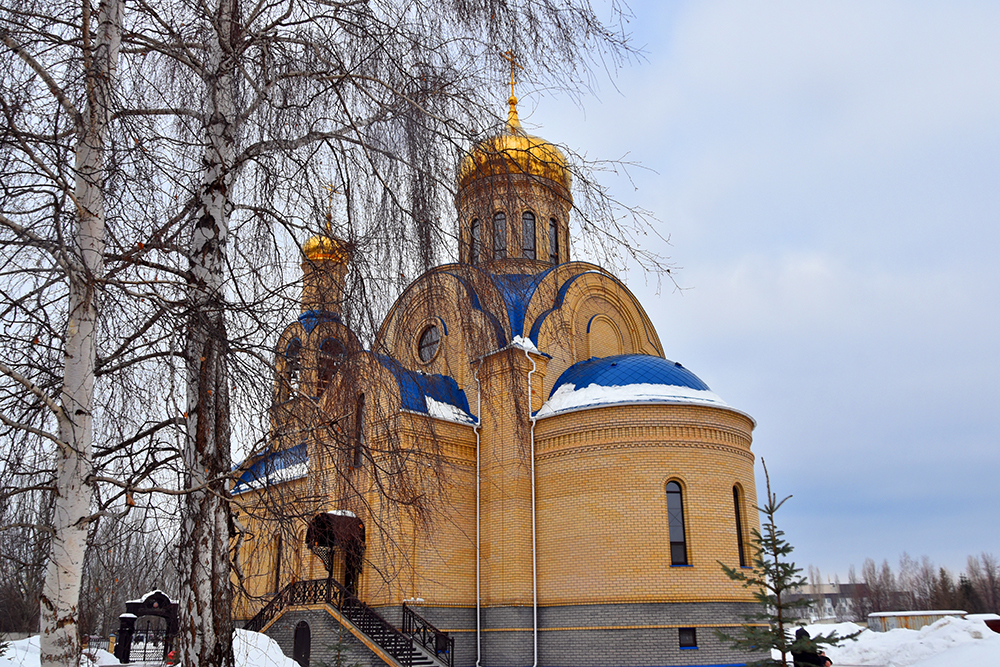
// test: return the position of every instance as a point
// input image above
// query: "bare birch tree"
(82, 259)
(240, 114)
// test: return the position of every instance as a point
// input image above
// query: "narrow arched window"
(675, 516)
(739, 526)
(528, 235)
(293, 363)
(476, 242)
(499, 235)
(358, 444)
(331, 353)
(553, 241)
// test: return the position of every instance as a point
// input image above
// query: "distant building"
(580, 489)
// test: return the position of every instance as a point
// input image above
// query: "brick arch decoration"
(154, 603)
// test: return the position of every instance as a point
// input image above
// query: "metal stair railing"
(437, 643)
(328, 591)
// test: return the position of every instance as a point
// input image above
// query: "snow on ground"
(950, 642)
(251, 649)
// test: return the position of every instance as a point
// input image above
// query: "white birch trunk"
(205, 596)
(60, 640)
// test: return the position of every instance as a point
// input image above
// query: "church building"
(512, 475)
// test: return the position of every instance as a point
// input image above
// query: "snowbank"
(251, 649)
(950, 642)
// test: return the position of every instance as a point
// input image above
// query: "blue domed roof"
(626, 369)
(626, 378)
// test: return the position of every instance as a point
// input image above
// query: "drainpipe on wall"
(534, 550)
(479, 421)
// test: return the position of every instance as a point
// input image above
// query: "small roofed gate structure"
(338, 538)
(154, 603)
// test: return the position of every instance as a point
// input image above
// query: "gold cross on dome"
(509, 57)
(329, 207)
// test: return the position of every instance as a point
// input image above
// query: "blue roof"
(628, 369)
(517, 290)
(414, 387)
(274, 468)
(311, 318)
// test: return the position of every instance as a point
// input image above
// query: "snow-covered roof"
(148, 595)
(626, 378)
(434, 395)
(274, 468)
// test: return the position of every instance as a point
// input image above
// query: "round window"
(427, 345)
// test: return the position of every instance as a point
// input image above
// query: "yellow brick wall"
(603, 532)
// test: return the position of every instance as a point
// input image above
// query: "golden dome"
(514, 151)
(325, 248)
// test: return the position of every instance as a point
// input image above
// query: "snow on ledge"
(524, 344)
(447, 411)
(569, 397)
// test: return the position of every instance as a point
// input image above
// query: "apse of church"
(514, 461)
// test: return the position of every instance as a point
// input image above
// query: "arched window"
(739, 526)
(476, 242)
(358, 444)
(293, 364)
(675, 516)
(553, 241)
(499, 235)
(528, 235)
(331, 353)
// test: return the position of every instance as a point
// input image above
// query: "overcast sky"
(829, 176)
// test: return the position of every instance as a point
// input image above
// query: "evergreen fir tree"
(773, 579)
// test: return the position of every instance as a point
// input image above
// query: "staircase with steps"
(419, 644)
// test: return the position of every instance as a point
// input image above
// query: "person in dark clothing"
(810, 656)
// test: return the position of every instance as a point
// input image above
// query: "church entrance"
(338, 538)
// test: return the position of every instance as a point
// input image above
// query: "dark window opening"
(687, 638)
(553, 241)
(476, 242)
(528, 234)
(358, 453)
(739, 527)
(331, 353)
(428, 344)
(293, 363)
(675, 516)
(499, 235)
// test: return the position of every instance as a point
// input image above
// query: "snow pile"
(447, 411)
(568, 396)
(97, 657)
(251, 649)
(949, 642)
(22, 653)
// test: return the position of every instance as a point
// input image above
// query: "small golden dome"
(514, 152)
(325, 248)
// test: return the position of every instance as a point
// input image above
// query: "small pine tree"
(773, 579)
